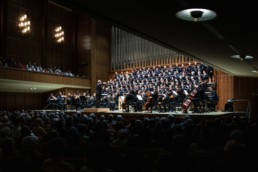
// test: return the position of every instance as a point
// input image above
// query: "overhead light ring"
(196, 14)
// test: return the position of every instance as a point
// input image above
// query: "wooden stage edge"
(148, 114)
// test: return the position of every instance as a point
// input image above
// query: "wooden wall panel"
(241, 89)
(225, 87)
(103, 46)
(19, 101)
(245, 86)
(60, 54)
(100, 52)
(24, 47)
(2, 27)
(244, 89)
(84, 44)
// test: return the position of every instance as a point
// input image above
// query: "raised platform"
(165, 114)
(106, 112)
(96, 110)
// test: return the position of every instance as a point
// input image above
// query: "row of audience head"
(51, 69)
(9, 62)
(47, 141)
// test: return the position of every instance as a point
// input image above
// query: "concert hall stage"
(153, 114)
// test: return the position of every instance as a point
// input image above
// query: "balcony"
(19, 80)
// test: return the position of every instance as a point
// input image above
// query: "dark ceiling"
(235, 29)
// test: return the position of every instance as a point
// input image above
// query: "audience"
(9, 62)
(58, 141)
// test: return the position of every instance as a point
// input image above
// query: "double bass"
(186, 104)
(148, 93)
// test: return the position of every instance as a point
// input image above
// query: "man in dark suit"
(98, 92)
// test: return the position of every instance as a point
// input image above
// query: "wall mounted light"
(59, 34)
(24, 24)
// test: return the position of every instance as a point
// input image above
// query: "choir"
(160, 87)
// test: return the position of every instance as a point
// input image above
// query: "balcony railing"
(24, 75)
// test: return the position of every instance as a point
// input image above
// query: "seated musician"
(61, 100)
(111, 102)
(87, 99)
(152, 101)
(121, 104)
(83, 100)
(92, 101)
(171, 99)
(52, 101)
(180, 95)
(69, 99)
(229, 106)
(131, 99)
(140, 101)
(77, 101)
(104, 101)
(162, 101)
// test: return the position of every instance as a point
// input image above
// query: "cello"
(148, 94)
(148, 101)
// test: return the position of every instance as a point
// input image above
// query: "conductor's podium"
(89, 110)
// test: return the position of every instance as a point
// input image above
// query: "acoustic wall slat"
(225, 87)
(245, 88)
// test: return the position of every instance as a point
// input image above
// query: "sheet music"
(139, 97)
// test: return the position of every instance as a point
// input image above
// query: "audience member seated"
(9, 62)
(58, 141)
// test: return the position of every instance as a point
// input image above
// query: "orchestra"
(160, 88)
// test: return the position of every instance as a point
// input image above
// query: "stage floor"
(149, 114)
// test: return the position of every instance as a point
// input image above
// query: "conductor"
(98, 93)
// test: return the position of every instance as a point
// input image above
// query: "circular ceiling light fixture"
(242, 57)
(236, 56)
(247, 57)
(196, 14)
